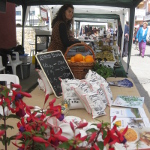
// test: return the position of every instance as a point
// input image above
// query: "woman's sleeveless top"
(56, 43)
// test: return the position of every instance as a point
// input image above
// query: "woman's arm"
(64, 37)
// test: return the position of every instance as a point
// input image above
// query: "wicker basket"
(80, 69)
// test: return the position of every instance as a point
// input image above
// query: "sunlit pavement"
(139, 72)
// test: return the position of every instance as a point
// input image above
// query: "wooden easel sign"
(54, 66)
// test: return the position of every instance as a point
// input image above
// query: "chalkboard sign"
(54, 67)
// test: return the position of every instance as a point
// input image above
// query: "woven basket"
(80, 69)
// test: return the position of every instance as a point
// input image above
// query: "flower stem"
(96, 137)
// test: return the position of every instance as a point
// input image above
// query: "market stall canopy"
(106, 16)
(115, 3)
(96, 20)
(92, 12)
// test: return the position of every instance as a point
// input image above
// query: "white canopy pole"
(27, 13)
(50, 19)
(122, 19)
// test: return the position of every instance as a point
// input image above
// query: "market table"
(38, 97)
(38, 100)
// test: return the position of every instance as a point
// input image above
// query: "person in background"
(116, 30)
(141, 38)
(134, 39)
(105, 33)
(101, 33)
(126, 39)
(61, 26)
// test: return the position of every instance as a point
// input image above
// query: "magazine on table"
(129, 101)
(136, 139)
(130, 122)
(136, 113)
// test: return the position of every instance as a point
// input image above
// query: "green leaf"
(98, 120)
(28, 142)
(3, 140)
(4, 104)
(12, 137)
(100, 145)
(92, 130)
(8, 141)
(42, 129)
(105, 124)
(26, 133)
(39, 135)
(5, 92)
(3, 127)
(104, 134)
(71, 142)
(39, 146)
(1, 117)
(64, 145)
(13, 116)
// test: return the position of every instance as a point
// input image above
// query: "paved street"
(139, 72)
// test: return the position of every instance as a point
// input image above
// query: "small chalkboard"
(54, 67)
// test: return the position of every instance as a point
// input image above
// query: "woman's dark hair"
(60, 16)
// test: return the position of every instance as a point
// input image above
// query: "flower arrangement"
(36, 134)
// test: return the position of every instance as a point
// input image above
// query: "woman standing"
(61, 25)
(141, 38)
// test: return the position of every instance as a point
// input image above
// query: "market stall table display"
(38, 100)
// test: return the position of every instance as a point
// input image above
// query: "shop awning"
(115, 3)
(106, 16)
(131, 4)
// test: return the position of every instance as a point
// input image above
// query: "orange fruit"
(72, 59)
(89, 59)
(78, 58)
(88, 56)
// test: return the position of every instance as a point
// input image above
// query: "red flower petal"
(124, 131)
(52, 102)
(2, 132)
(82, 125)
(78, 136)
(72, 126)
(46, 98)
(17, 145)
(114, 118)
(31, 107)
(25, 94)
(59, 132)
(92, 137)
(114, 141)
(19, 136)
(111, 148)
(106, 140)
(61, 138)
(39, 139)
(99, 125)
(18, 86)
(28, 110)
(96, 147)
(83, 138)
